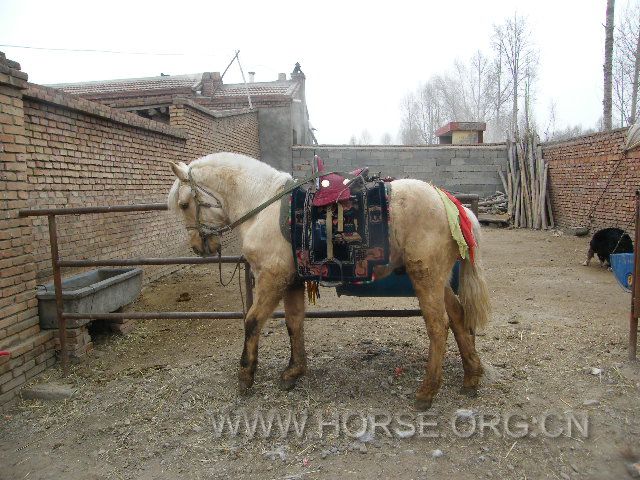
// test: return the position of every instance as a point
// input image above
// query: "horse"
(216, 190)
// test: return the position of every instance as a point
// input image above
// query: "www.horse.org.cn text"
(358, 425)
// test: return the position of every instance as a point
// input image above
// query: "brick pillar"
(31, 350)
(211, 82)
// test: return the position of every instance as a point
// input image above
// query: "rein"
(206, 230)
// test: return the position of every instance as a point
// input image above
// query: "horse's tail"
(473, 292)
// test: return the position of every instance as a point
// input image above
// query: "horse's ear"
(180, 170)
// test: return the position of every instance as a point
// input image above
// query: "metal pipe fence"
(57, 264)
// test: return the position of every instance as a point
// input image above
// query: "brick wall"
(209, 132)
(31, 349)
(80, 153)
(579, 169)
(63, 151)
(234, 103)
(466, 169)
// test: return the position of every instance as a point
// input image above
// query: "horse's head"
(200, 208)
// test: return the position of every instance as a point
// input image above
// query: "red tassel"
(466, 226)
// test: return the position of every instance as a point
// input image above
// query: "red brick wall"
(31, 350)
(234, 103)
(579, 170)
(78, 156)
(209, 133)
(62, 151)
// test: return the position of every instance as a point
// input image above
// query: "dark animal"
(608, 241)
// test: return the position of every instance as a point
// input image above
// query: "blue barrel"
(622, 266)
(393, 285)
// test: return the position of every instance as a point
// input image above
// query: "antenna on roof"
(215, 88)
(236, 56)
(244, 80)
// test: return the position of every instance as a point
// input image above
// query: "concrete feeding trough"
(103, 290)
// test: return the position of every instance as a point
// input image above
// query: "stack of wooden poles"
(526, 184)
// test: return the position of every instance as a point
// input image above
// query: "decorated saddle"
(339, 227)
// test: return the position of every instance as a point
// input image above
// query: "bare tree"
(569, 131)
(353, 140)
(499, 94)
(480, 85)
(409, 134)
(551, 124)
(621, 79)
(463, 94)
(512, 42)
(608, 65)
(422, 113)
(635, 28)
(626, 66)
(365, 137)
(386, 139)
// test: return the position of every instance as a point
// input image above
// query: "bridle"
(205, 230)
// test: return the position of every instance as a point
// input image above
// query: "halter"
(207, 230)
(204, 229)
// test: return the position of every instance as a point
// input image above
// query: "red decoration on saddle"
(465, 225)
(332, 188)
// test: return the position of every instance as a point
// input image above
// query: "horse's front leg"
(294, 316)
(268, 294)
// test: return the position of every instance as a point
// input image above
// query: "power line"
(117, 52)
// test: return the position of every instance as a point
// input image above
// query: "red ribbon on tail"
(466, 226)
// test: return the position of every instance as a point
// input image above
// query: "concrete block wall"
(579, 169)
(465, 169)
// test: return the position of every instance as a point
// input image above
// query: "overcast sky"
(360, 58)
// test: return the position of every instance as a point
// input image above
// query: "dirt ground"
(147, 405)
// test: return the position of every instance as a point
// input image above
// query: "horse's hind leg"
(294, 316)
(268, 294)
(433, 310)
(470, 359)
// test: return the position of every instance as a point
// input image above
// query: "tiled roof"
(174, 82)
(130, 84)
(285, 88)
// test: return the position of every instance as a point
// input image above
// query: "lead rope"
(220, 271)
(236, 269)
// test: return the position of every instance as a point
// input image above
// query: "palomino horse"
(215, 191)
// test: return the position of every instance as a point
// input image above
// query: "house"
(283, 116)
(461, 133)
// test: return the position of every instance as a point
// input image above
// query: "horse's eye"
(184, 205)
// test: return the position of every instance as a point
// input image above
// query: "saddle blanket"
(340, 241)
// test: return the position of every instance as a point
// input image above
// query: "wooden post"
(635, 291)
(57, 283)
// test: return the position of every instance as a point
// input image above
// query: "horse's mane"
(260, 175)
(239, 161)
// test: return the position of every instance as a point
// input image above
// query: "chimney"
(298, 76)
(282, 77)
(211, 81)
(252, 77)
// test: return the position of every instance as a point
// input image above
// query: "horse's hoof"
(244, 388)
(422, 405)
(471, 392)
(288, 384)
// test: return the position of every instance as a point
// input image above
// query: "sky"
(359, 57)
